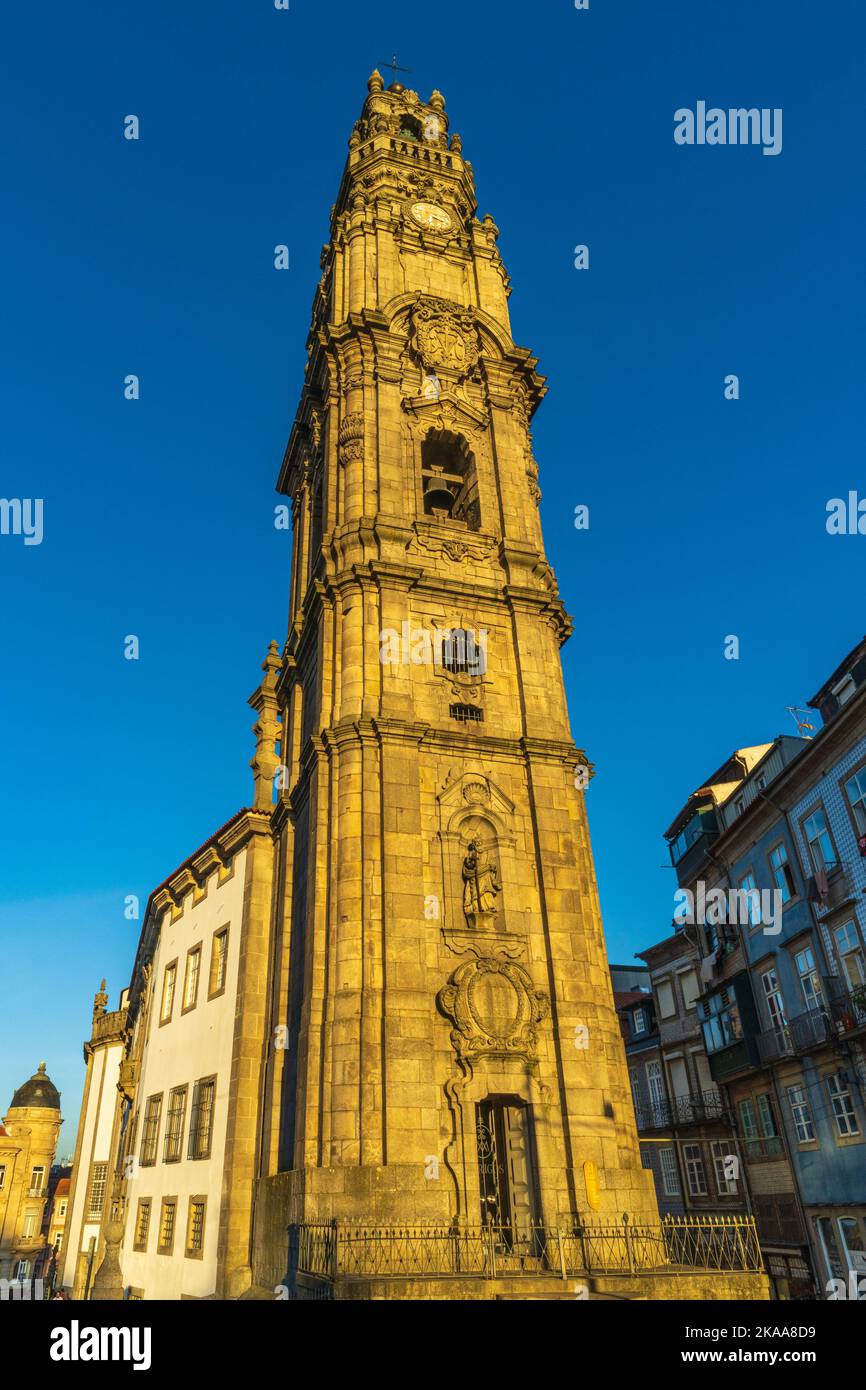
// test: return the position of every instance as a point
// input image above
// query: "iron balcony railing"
(762, 1146)
(331, 1250)
(681, 1110)
(807, 1030)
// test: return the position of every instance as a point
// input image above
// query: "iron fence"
(327, 1250)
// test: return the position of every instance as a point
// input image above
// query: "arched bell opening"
(449, 481)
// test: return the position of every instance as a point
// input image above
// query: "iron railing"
(692, 1109)
(328, 1250)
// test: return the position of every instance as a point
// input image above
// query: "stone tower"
(446, 1045)
(28, 1144)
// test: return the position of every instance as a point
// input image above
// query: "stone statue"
(480, 884)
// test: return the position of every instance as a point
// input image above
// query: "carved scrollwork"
(495, 1008)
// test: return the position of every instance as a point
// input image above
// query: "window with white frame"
(842, 1105)
(783, 876)
(821, 849)
(670, 1176)
(22, 1270)
(748, 886)
(168, 985)
(773, 997)
(810, 980)
(801, 1114)
(28, 1226)
(695, 1172)
(850, 954)
(855, 790)
(639, 1021)
(722, 1156)
(37, 1179)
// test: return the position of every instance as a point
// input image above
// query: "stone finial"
(267, 730)
(375, 82)
(456, 143)
(437, 101)
(40, 1070)
(100, 1001)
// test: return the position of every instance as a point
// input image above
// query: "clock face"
(429, 215)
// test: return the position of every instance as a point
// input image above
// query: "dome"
(39, 1092)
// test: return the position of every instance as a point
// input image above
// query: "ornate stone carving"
(455, 548)
(495, 1008)
(351, 437)
(445, 336)
(481, 886)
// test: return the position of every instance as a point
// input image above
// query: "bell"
(439, 498)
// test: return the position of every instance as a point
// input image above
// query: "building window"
(195, 1228)
(850, 955)
(58, 1242)
(752, 901)
(695, 1174)
(721, 1022)
(22, 1270)
(466, 714)
(168, 984)
(190, 979)
(747, 1119)
(727, 1187)
(462, 653)
(201, 1121)
(638, 1022)
(852, 1243)
(781, 871)
(809, 978)
(773, 996)
(96, 1198)
(670, 1176)
(142, 1223)
(821, 849)
(167, 1214)
(175, 1116)
(218, 957)
(801, 1114)
(690, 988)
(665, 999)
(28, 1225)
(855, 790)
(843, 1106)
(150, 1137)
(766, 1118)
(37, 1181)
(2, 1176)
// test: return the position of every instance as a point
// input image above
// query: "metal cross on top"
(393, 65)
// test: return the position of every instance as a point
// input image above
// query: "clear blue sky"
(155, 257)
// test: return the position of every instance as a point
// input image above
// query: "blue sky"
(156, 257)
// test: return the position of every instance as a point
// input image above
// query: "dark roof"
(37, 1093)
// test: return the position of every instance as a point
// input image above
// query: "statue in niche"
(480, 885)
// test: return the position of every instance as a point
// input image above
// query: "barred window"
(695, 1172)
(201, 1119)
(462, 653)
(175, 1116)
(195, 1227)
(150, 1137)
(166, 1226)
(467, 714)
(142, 1223)
(96, 1197)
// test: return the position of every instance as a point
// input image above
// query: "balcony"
(40, 1192)
(810, 1029)
(848, 1012)
(731, 1061)
(694, 1109)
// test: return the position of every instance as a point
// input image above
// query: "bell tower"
(445, 1041)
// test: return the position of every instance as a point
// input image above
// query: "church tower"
(444, 1045)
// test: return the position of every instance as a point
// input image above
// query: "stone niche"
(477, 845)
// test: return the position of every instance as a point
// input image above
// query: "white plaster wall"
(97, 1123)
(193, 1045)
